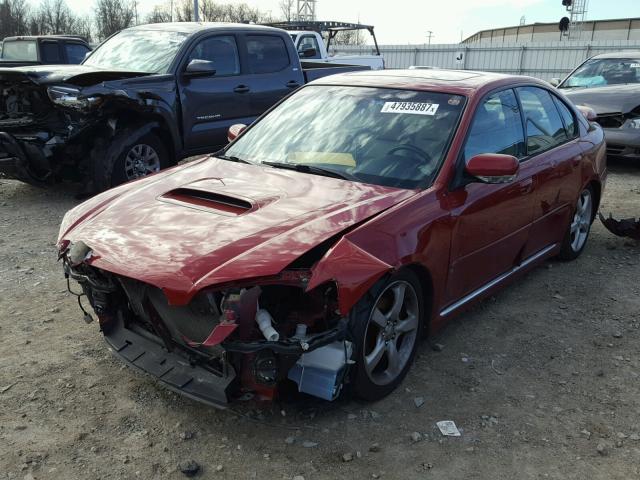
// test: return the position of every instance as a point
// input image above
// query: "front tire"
(386, 326)
(130, 154)
(575, 238)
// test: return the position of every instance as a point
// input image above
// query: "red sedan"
(315, 250)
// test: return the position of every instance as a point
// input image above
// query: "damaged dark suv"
(145, 98)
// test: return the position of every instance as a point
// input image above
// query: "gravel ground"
(542, 380)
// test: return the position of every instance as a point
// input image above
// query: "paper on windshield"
(416, 108)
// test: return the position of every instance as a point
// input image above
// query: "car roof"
(46, 37)
(194, 27)
(444, 80)
(623, 54)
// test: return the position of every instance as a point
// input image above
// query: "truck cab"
(310, 43)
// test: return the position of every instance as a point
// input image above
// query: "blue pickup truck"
(145, 98)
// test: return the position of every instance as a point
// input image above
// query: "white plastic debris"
(448, 428)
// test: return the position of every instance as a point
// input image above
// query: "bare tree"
(113, 15)
(14, 18)
(287, 10)
(349, 37)
(159, 14)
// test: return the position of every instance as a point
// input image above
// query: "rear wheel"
(575, 238)
(387, 324)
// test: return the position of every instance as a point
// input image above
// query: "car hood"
(609, 99)
(214, 221)
(79, 75)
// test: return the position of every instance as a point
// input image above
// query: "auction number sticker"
(417, 108)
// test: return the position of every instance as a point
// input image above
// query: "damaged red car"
(315, 250)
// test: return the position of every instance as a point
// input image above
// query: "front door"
(491, 221)
(211, 104)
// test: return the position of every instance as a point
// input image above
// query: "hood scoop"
(208, 201)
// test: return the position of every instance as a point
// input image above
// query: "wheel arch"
(596, 188)
(426, 283)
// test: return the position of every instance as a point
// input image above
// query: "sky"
(407, 21)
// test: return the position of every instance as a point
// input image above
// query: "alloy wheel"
(391, 332)
(581, 223)
(141, 160)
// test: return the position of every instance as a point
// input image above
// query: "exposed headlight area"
(244, 338)
(632, 123)
(71, 98)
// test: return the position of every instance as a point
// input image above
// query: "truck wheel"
(575, 238)
(386, 325)
(128, 155)
(141, 157)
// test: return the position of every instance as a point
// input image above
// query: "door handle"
(241, 89)
(292, 84)
(526, 186)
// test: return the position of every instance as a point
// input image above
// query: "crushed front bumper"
(172, 369)
(20, 160)
(623, 142)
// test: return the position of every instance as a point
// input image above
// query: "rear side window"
(544, 127)
(75, 52)
(50, 52)
(222, 51)
(569, 119)
(266, 54)
(307, 42)
(497, 127)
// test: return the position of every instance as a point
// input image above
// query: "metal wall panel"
(543, 60)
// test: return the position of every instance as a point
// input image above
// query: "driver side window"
(222, 51)
(496, 127)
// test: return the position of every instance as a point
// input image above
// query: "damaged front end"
(229, 340)
(48, 130)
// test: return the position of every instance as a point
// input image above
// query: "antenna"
(523, 20)
(429, 35)
(306, 10)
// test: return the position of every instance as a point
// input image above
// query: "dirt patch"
(542, 380)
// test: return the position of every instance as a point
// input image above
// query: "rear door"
(492, 221)
(211, 104)
(555, 154)
(51, 52)
(75, 52)
(272, 73)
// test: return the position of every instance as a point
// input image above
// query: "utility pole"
(429, 35)
(195, 11)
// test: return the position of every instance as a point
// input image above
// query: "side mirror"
(235, 130)
(555, 82)
(200, 68)
(588, 113)
(493, 168)
(308, 53)
(86, 55)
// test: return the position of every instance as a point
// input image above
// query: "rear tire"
(577, 234)
(386, 325)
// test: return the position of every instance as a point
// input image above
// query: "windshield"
(137, 50)
(23, 50)
(396, 138)
(604, 71)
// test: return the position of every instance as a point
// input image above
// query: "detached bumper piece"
(172, 369)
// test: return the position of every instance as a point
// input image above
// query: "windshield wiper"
(231, 158)
(313, 169)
